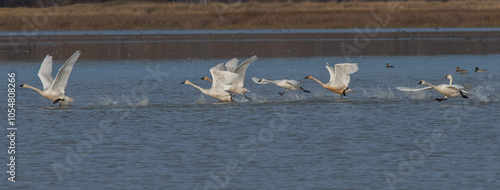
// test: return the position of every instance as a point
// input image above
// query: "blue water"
(134, 126)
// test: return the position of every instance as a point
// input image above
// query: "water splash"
(202, 100)
(121, 101)
(484, 93)
(325, 96)
(252, 97)
(144, 102)
(379, 92)
(293, 96)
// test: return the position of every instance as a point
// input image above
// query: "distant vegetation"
(116, 15)
(45, 3)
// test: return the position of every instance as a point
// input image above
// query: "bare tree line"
(46, 3)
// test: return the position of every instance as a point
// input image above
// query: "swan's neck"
(318, 81)
(268, 81)
(36, 89)
(451, 79)
(429, 85)
(199, 88)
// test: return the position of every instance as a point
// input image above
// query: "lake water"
(134, 126)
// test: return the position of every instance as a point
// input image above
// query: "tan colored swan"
(339, 78)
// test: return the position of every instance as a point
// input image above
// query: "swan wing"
(339, 77)
(292, 82)
(456, 86)
(256, 80)
(64, 72)
(45, 72)
(406, 89)
(222, 79)
(219, 67)
(232, 64)
(241, 70)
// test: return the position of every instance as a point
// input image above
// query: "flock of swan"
(229, 77)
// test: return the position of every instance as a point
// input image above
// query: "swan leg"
(305, 90)
(343, 92)
(441, 99)
(57, 100)
(463, 95)
(250, 99)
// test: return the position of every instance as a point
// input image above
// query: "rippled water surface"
(134, 126)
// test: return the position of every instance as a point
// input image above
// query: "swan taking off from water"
(339, 77)
(232, 66)
(445, 89)
(53, 89)
(285, 83)
(221, 83)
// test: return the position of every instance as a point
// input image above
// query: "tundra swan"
(53, 89)
(388, 66)
(480, 70)
(221, 83)
(339, 77)
(285, 83)
(445, 89)
(232, 66)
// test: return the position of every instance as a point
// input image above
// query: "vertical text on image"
(11, 118)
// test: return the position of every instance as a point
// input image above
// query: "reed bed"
(130, 15)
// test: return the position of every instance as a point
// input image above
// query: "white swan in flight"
(285, 83)
(53, 89)
(445, 89)
(221, 83)
(232, 66)
(339, 77)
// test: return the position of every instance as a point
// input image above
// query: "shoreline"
(273, 43)
(248, 16)
(239, 31)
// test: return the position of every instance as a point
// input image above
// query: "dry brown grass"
(127, 15)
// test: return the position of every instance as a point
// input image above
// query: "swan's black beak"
(306, 77)
(202, 78)
(420, 82)
(183, 82)
(22, 85)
